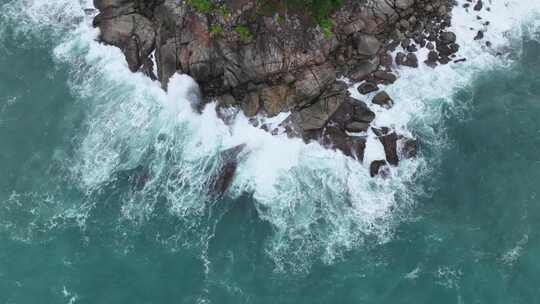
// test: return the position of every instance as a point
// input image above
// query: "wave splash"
(319, 203)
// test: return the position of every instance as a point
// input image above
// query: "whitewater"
(320, 204)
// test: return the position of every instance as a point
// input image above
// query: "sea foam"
(319, 202)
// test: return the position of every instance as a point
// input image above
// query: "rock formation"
(267, 61)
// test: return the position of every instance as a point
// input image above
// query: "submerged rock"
(224, 177)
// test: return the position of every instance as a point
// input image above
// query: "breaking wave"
(319, 203)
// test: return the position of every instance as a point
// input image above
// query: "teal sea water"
(103, 178)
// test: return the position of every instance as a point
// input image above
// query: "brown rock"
(367, 87)
(276, 99)
(383, 99)
(385, 77)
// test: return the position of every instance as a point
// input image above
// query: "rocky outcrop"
(269, 62)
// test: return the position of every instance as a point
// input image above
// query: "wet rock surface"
(266, 64)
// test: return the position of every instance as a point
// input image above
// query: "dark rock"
(385, 77)
(385, 60)
(363, 70)
(460, 60)
(351, 110)
(378, 167)
(388, 138)
(367, 87)
(400, 58)
(447, 37)
(357, 126)
(411, 60)
(478, 6)
(479, 35)
(432, 56)
(405, 43)
(412, 48)
(444, 59)
(223, 178)
(430, 46)
(447, 49)
(383, 99)
(351, 146)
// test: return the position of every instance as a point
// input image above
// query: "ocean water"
(104, 178)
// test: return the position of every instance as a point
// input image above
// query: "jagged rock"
(478, 6)
(357, 126)
(223, 178)
(351, 110)
(383, 99)
(388, 138)
(251, 105)
(276, 99)
(277, 64)
(367, 87)
(133, 34)
(352, 146)
(313, 82)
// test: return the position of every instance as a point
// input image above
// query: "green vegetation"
(223, 11)
(318, 10)
(202, 6)
(216, 30)
(244, 32)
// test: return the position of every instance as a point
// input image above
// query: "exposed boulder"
(389, 139)
(383, 99)
(367, 87)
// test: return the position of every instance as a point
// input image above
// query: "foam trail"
(319, 202)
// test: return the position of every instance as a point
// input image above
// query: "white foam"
(319, 202)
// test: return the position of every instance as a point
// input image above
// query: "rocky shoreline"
(267, 63)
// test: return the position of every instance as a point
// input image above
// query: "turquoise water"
(77, 226)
